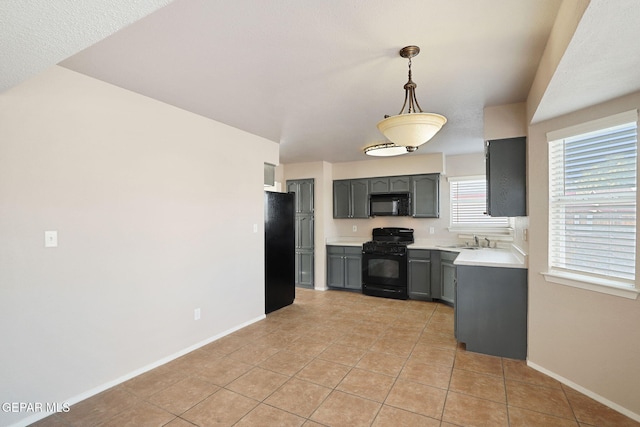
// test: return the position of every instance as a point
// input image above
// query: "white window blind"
(469, 204)
(592, 207)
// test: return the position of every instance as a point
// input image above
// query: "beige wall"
(505, 121)
(154, 210)
(584, 338)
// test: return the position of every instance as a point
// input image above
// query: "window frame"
(625, 288)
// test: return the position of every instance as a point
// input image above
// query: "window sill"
(609, 287)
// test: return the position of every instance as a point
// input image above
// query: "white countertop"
(347, 241)
(508, 257)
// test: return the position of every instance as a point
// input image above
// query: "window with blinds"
(469, 204)
(592, 206)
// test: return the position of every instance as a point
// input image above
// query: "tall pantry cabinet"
(304, 228)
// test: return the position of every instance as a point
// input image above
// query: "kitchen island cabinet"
(491, 310)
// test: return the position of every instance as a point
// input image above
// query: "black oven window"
(386, 268)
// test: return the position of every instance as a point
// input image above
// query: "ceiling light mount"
(413, 127)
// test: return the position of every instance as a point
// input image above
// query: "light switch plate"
(50, 239)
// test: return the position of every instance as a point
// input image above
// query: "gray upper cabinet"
(425, 196)
(379, 185)
(390, 184)
(360, 198)
(342, 198)
(351, 198)
(506, 163)
(304, 194)
(399, 184)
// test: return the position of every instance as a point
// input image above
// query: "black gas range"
(384, 263)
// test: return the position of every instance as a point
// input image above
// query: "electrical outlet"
(355, 228)
(50, 239)
(196, 314)
(432, 230)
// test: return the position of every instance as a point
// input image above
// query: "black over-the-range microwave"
(390, 204)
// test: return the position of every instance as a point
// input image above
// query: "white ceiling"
(316, 76)
(602, 61)
(36, 34)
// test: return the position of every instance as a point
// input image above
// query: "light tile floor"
(341, 359)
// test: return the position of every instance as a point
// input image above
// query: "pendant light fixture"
(387, 149)
(413, 127)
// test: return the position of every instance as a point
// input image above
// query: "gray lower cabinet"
(448, 277)
(419, 274)
(304, 268)
(344, 267)
(425, 196)
(351, 198)
(491, 310)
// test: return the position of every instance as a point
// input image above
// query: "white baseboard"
(586, 392)
(92, 392)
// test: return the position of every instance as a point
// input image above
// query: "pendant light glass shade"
(413, 127)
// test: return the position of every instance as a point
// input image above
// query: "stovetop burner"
(386, 243)
(389, 240)
(392, 235)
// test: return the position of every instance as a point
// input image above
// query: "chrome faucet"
(475, 240)
(488, 242)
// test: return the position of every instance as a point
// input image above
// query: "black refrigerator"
(279, 250)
